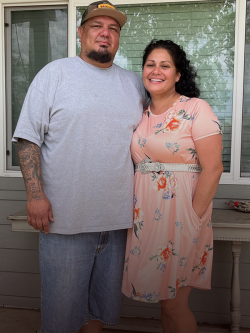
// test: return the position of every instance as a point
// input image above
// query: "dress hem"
(165, 297)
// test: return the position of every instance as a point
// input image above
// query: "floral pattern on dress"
(202, 272)
(179, 283)
(173, 121)
(184, 99)
(126, 265)
(166, 182)
(202, 260)
(143, 296)
(186, 116)
(195, 240)
(219, 125)
(136, 251)
(183, 261)
(173, 147)
(193, 152)
(179, 225)
(138, 223)
(142, 142)
(158, 215)
(164, 255)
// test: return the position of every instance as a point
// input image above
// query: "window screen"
(33, 39)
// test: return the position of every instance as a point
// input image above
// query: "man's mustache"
(106, 40)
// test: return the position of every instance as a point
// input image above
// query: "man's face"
(99, 40)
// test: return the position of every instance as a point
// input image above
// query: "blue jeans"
(81, 279)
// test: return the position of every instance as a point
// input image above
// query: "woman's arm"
(209, 153)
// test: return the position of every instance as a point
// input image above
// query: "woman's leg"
(176, 315)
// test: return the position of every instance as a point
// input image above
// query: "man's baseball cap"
(104, 8)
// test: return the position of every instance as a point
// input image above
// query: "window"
(214, 33)
(33, 38)
(245, 136)
(206, 30)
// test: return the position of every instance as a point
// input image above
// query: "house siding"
(19, 265)
(20, 278)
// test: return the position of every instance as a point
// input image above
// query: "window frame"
(8, 80)
(234, 176)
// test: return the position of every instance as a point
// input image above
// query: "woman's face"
(159, 73)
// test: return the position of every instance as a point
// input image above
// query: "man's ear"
(80, 32)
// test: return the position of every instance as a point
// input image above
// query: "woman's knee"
(170, 307)
(173, 307)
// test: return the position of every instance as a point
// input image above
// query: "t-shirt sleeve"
(143, 92)
(33, 121)
(205, 123)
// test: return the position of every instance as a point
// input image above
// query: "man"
(74, 136)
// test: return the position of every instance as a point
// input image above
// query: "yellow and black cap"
(104, 8)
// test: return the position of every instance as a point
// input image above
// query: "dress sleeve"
(205, 123)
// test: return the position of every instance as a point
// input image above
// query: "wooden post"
(235, 289)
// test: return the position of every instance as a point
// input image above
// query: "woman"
(177, 154)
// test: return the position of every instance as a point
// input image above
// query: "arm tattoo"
(29, 160)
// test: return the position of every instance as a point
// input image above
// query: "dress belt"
(147, 167)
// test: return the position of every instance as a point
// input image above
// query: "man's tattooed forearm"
(29, 160)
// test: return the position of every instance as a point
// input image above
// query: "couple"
(74, 138)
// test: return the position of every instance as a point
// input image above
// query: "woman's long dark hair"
(186, 85)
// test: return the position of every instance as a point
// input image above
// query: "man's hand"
(39, 208)
(39, 214)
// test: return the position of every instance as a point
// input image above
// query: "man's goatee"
(102, 56)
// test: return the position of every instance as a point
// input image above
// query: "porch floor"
(16, 320)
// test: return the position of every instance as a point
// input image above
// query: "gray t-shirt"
(83, 118)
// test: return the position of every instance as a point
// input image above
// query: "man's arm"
(39, 209)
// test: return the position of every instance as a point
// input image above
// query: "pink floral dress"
(169, 246)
